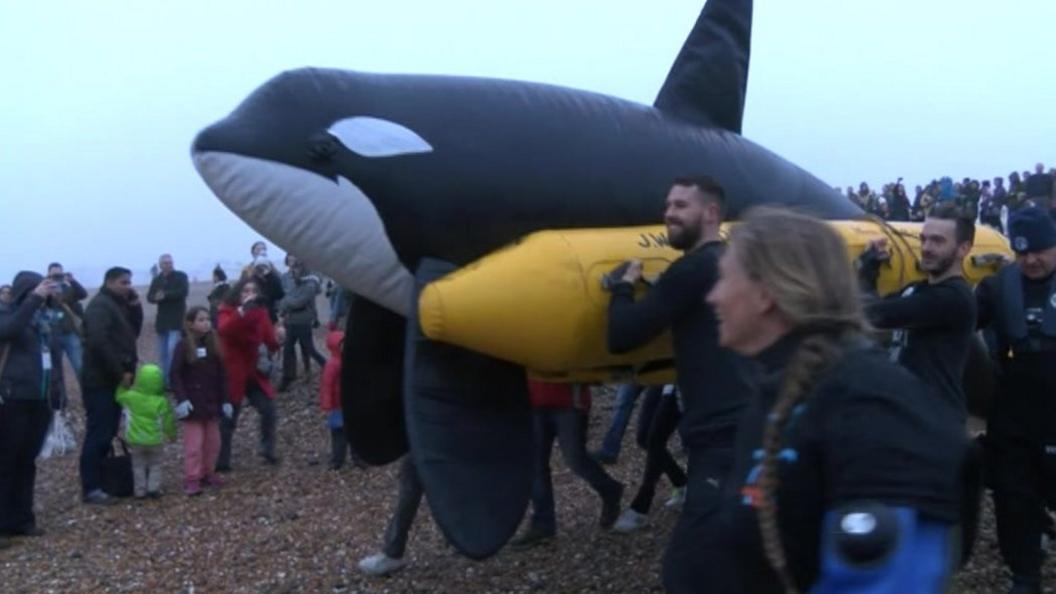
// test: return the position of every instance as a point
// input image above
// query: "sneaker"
(192, 488)
(213, 480)
(678, 497)
(270, 458)
(380, 564)
(531, 537)
(602, 457)
(98, 497)
(610, 508)
(630, 521)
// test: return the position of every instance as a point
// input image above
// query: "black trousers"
(1024, 483)
(569, 427)
(710, 461)
(23, 427)
(268, 420)
(299, 334)
(408, 501)
(103, 417)
(657, 422)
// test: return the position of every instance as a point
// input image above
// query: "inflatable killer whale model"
(389, 182)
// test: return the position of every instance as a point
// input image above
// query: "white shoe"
(678, 497)
(380, 564)
(630, 521)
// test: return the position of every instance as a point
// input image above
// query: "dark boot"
(610, 508)
(337, 448)
(1025, 585)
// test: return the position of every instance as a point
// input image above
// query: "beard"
(939, 265)
(682, 237)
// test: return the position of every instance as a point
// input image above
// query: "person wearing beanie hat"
(25, 365)
(1019, 305)
(262, 271)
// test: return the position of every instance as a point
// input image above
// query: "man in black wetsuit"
(1019, 304)
(934, 319)
(711, 379)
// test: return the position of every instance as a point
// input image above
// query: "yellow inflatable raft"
(539, 302)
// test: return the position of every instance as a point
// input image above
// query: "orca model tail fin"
(706, 85)
(470, 431)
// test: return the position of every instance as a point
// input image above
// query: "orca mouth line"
(334, 225)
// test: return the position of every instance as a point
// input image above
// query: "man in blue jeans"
(626, 396)
(168, 291)
(112, 322)
(71, 293)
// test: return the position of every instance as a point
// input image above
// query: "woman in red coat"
(248, 338)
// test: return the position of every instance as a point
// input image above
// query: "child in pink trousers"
(201, 395)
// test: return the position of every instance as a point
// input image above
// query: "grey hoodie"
(299, 303)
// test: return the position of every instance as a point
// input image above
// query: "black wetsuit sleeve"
(985, 303)
(634, 323)
(934, 306)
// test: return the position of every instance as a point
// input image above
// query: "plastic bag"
(265, 361)
(60, 440)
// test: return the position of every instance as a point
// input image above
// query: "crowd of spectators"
(985, 199)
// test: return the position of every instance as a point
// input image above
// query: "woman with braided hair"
(846, 469)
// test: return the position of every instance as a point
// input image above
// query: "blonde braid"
(814, 355)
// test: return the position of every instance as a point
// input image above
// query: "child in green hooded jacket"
(149, 423)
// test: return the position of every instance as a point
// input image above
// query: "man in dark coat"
(112, 322)
(1019, 305)
(168, 291)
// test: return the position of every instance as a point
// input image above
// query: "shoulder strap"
(3, 358)
(1048, 317)
(1011, 309)
(69, 311)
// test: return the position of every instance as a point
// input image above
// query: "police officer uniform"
(1021, 429)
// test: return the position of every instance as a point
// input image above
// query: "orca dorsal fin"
(707, 82)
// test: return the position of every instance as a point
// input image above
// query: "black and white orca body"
(333, 164)
(373, 179)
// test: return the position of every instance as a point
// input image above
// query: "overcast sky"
(100, 99)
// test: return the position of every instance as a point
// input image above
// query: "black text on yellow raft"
(539, 302)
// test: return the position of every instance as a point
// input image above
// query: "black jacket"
(22, 375)
(173, 306)
(712, 379)
(869, 431)
(72, 295)
(272, 291)
(934, 328)
(111, 326)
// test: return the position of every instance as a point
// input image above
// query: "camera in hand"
(61, 286)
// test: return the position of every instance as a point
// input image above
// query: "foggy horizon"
(103, 99)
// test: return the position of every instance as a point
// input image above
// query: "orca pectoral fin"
(470, 432)
(372, 382)
(708, 80)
